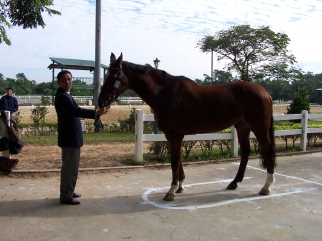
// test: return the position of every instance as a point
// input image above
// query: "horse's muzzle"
(102, 104)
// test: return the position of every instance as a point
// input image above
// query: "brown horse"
(183, 107)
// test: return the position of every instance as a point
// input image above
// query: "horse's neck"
(143, 85)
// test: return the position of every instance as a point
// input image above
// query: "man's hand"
(102, 111)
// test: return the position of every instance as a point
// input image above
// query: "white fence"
(140, 117)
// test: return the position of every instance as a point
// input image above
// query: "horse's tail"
(271, 154)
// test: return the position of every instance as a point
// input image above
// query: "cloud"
(169, 30)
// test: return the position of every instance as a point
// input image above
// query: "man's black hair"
(62, 73)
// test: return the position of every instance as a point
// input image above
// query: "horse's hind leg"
(244, 142)
(269, 163)
(267, 144)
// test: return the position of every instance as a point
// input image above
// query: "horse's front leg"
(181, 177)
(176, 166)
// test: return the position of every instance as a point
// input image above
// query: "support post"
(97, 70)
(212, 66)
(138, 135)
(304, 123)
(52, 89)
(234, 142)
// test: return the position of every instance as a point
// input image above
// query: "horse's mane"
(145, 69)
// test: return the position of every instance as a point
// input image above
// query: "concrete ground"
(128, 205)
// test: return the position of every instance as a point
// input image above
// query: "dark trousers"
(69, 172)
(154, 128)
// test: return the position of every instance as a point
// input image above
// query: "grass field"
(114, 114)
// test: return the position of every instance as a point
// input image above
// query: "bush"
(301, 101)
(38, 115)
(129, 123)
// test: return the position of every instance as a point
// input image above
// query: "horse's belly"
(198, 124)
(209, 126)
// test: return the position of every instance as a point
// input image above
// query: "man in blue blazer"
(9, 102)
(70, 136)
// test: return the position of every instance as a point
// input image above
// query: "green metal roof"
(78, 64)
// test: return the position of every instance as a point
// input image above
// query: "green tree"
(198, 81)
(207, 80)
(265, 82)
(318, 79)
(45, 99)
(10, 82)
(2, 84)
(23, 86)
(221, 77)
(129, 123)
(301, 101)
(23, 13)
(252, 52)
(311, 82)
(81, 88)
(129, 93)
(40, 89)
(280, 89)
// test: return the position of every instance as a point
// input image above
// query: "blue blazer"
(9, 103)
(68, 113)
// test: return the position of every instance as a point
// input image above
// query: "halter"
(112, 97)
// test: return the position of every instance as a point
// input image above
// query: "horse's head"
(114, 84)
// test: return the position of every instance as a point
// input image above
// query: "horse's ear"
(112, 58)
(120, 59)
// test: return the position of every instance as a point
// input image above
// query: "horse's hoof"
(169, 197)
(264, 191)
(232, 186)
(180, 190)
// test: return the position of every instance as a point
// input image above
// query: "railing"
(304, 117)
(36, 99)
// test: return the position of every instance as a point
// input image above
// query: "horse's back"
(240, 96)
(255, 104)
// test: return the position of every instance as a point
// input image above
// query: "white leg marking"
(181, 184)
(173, 189)
(269, 181)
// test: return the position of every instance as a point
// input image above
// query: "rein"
(112, 97)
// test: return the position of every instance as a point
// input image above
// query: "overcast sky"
(169, 30)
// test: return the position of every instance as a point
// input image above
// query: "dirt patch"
(36, 157)
(114, 114)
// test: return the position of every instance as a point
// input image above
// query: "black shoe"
(76, 195)
(71, 201)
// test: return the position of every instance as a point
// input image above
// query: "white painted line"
(206, 183)
(172, 205)
(291, 177)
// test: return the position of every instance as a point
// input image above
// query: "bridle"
(112, 97)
